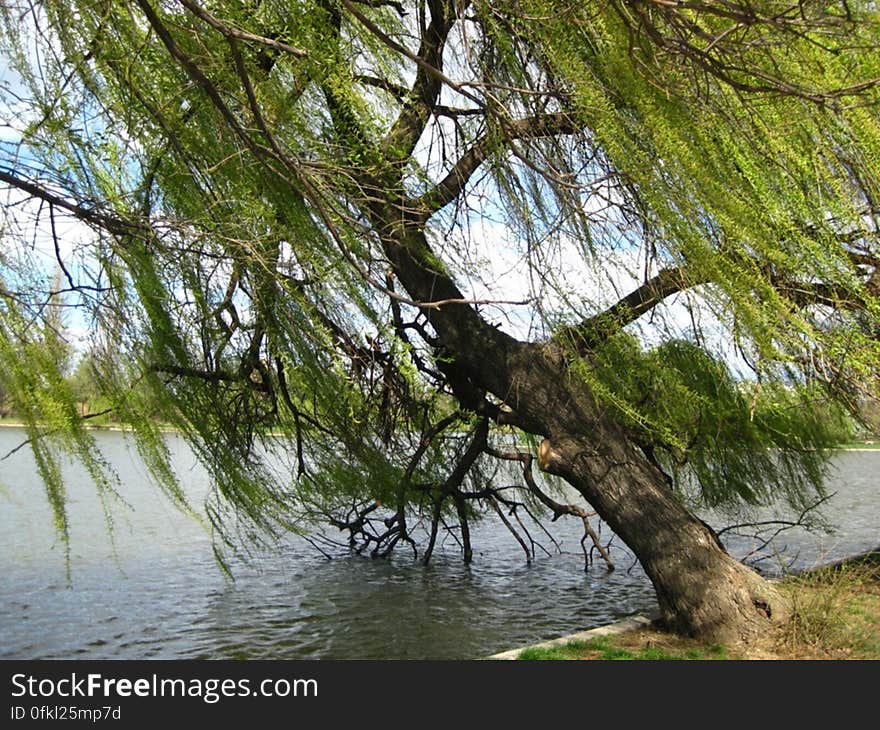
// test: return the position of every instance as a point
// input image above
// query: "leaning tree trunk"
(702, 591)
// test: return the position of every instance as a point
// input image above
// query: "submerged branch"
(494, 504)
(557, 508)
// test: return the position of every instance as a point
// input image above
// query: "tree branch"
(557, 508)
(410, 123)
(592, 332)
(105, 221)
(493, 502)
(453, 184)
(230, 31)
(192, 69)
(394, 45)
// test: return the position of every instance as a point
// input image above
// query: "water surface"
(155, 590)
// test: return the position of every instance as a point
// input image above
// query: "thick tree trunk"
(702, 591)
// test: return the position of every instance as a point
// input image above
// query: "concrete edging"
(630, 624)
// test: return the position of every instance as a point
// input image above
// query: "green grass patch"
(608, 649)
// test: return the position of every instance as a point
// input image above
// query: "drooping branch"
(514, 511)
(211, 376)
(805, 294)
(356, 523)
(464, 527)
(254, 105)
(400, 328)
(198, 76)
(453, 483)
(361, 521)
(436, 515)
(345, 120)
(192, 69)
(427, 439)
(52, 432)
(396, 90)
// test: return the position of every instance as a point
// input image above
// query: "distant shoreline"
(5, 423)
(868, 445)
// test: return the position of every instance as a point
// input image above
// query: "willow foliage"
(231, 161)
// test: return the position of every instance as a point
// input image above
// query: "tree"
(84, 386)
(293, 205)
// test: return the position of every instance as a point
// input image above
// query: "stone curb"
(630, 624)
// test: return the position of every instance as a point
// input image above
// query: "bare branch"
(494, 504)
(557, 508)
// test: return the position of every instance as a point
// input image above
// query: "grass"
(609, 648)
(835, 612)
(835, 615)
(868, 444)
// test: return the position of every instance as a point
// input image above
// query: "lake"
(155, 590)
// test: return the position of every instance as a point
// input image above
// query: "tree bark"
(702, 591)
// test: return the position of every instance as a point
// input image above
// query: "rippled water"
(156, 590)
